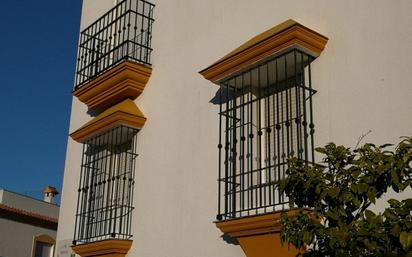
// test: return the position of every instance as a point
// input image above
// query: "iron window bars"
(123, 33)
(105, 193)
(265, 117)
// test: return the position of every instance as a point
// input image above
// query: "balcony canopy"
(275, 41)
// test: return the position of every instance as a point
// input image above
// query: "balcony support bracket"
(125, 81)
(106, 248)
(259, 236)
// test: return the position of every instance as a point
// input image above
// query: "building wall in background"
(16, 238)
(22, 219)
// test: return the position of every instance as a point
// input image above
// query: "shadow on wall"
(229, 240)
(92, 113)
(224, 95)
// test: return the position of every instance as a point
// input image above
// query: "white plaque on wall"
(63, 248)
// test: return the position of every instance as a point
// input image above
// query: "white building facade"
(349, 63)
(28, 226)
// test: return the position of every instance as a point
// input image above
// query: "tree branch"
(362, 209)
(362, 137)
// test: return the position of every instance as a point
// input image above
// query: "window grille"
(265, 117)
(105, 193)
(123, 33)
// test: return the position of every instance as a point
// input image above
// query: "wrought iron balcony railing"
(265, 117)
(105, 193)
(123, 33)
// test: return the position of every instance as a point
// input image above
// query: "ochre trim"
(248, 226)
(266, 245)
(43, 239)
(287, 35)
(124, 113)
(126, 80)
(106, 248)
(50, 189)
(254, 225)
(259, 236)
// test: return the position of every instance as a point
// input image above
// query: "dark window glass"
(43, 249)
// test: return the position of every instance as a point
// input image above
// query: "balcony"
(265, 117)
(113, 68)
(122, 34)
(105, 193)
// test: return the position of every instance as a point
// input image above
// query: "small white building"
(149, 135)
(28, 226)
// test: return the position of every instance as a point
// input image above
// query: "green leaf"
(396, 231)
(320, 150)
(356, 173)
(331, 214)
(369, 215)
(362, 187)
(405, 240)
(395, 177)
(333, 192)
(307, 237)
(354, 188)
(407, 203)
(394, 203)
(371, 196)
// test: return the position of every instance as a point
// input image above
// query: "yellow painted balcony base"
(105, 248)
(259, 236)
(126, 80)
(267, 245)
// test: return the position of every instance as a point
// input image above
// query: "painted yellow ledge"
(124, 113)
(126, 80)
(106, 248)
(259, 236)
(287, 35)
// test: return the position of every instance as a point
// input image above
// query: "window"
(105, 193)
(43, 246)
(265, 117)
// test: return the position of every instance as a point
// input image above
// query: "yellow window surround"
(124, 113)
(45, 239)
(287, 35)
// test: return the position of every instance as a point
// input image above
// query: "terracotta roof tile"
(27, 213)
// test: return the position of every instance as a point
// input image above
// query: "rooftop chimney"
(49, 193)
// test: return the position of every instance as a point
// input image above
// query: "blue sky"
(38, 50)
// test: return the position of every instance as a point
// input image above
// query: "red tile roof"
(27, 214)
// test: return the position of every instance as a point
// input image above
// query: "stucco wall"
(16, 239)
(91, 10)
(362, 77)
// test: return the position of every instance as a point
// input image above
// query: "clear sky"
(38, 51)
